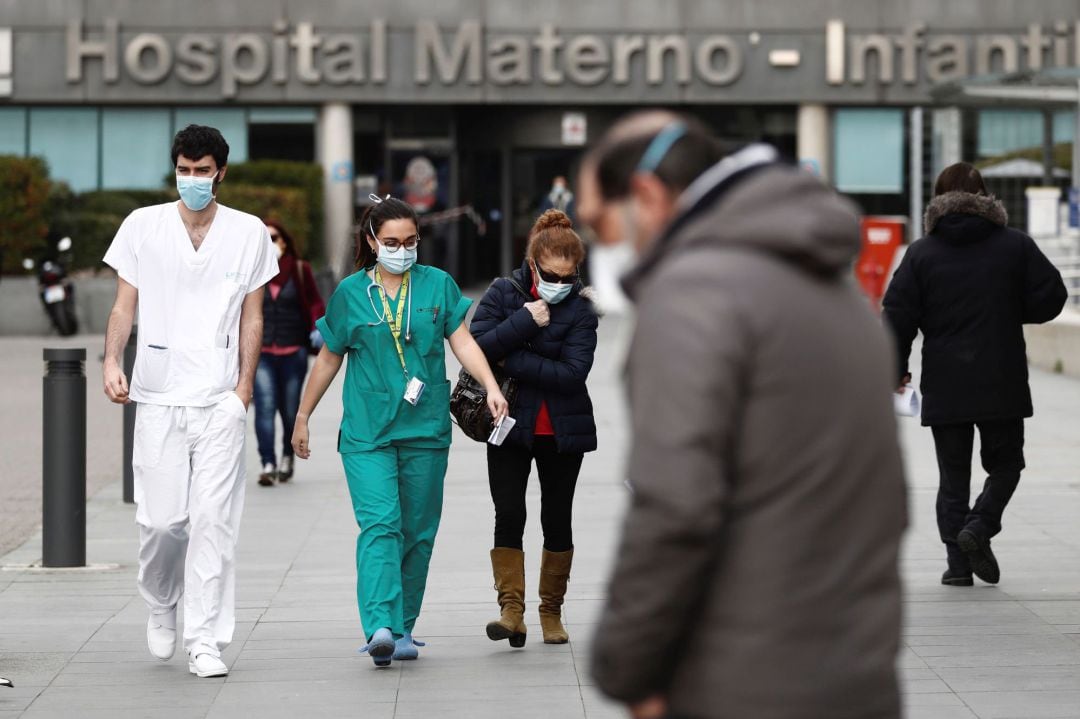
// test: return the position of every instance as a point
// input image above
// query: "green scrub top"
(376, 413)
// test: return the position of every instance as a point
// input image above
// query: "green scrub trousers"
(394, 454)
(397, 497)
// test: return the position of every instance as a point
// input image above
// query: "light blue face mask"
(397, 261)
(195, 192)
(553, 292)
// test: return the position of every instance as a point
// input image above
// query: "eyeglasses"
(393, 244)
(554, 278)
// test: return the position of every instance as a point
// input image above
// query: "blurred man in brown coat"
(757, 575)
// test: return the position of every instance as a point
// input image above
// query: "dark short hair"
(196, 141)
(961, 177)
(373, 218)
(617, 156)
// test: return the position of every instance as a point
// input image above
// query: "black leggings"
(508, 477)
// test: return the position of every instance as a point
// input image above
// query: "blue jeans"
(278, 381)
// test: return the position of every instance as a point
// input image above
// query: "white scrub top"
(189, 301)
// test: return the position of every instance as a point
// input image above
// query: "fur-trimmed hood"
(986, 207)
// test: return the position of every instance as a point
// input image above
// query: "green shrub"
(1062, 156)
(24, 195)
(289, 192)
(287, 205)
(305, 176)
(91, 219)
(123, 202)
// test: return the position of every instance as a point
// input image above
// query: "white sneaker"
(160, 637)
(285, 471)
(207, 665)
(269, 474)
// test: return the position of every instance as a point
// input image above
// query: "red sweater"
(543, 419)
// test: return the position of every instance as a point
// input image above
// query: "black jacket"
(285, 319)
(551, 364)
(289, 318)
(970, 285)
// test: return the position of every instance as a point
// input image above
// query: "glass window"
(1005, 131)
(282, 142)
(1064, 126)
(135, 148)
(868, 150)
(231, 122)
(68, 140)
(12, 131)
(282, 116)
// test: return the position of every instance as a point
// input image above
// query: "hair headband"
(661, 145)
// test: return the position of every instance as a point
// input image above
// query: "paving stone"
(75, 644)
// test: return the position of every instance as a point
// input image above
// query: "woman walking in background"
(291, 305)
(539, 327)
(392, 318)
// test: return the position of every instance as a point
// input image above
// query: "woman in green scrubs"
(391, 319)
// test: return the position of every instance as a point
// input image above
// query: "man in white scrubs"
(196, 271)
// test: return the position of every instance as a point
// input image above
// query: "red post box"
(881, 237)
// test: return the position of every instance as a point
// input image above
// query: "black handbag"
(468, 401)
(468, 405)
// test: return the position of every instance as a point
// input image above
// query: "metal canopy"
(1044, 89)
(1057, 86)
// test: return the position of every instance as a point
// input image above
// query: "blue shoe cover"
(405, 648)
(380, 648)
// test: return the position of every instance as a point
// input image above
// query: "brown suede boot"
(508, 566)
(554, 574)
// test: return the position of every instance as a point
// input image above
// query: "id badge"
(413, 390)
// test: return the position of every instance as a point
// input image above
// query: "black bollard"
(64, 459)
(129, 420)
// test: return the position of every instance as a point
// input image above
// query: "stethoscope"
(381, 315)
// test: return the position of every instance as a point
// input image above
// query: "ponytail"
(363, 255)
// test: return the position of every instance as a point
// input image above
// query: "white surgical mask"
(615, 261)
(610, 263)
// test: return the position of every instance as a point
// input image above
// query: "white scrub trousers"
(188, 464)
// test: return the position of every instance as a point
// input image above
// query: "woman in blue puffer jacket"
(539, 328)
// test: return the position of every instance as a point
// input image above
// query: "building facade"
(470, 108)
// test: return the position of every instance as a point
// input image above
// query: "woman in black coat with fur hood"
(970, 285)
(541, 330)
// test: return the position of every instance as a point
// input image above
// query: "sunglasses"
(554, 278)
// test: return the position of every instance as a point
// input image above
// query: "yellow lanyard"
(395, 323)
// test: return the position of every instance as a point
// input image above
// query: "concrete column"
(813, 140)
(1076, 144)
(335, 152)
(915, 228)
(1048, 148)
(948, 130)
(506, 236)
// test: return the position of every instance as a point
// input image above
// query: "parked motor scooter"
(56, 290)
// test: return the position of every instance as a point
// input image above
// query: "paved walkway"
(73, 641)
(21, 371)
